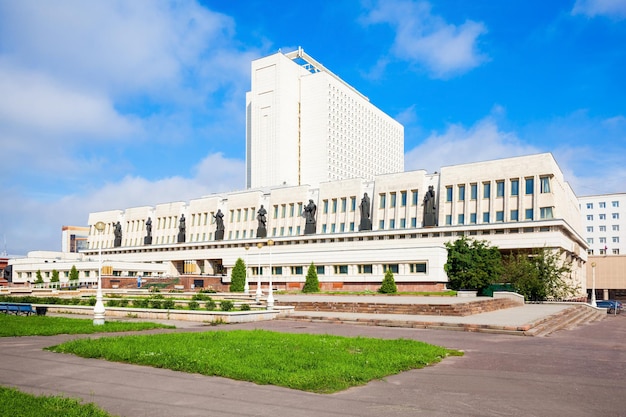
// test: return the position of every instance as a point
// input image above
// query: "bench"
(17, 308)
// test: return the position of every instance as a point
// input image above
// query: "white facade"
(603, 219)
(306, 126)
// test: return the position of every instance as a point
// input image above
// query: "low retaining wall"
(183, 315)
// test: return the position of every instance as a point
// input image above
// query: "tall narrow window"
(514, 187)
(474, 191)
(486, 190)
(461, 192)
(383, 200)
(530, 186)
(448, 193)
(499, 188)
(544, 185)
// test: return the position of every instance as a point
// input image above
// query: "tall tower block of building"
(304, 125)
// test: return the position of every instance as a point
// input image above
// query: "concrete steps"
(570, 318)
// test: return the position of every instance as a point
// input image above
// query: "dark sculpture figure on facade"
(219, 225)
(309, 212)
(261, 217)
(366, 222)
(430, 208)
(181, 229)
(117, 231)
(147, 240)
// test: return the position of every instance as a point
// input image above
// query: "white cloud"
(615, 9)
(457, 145)
(427, 40)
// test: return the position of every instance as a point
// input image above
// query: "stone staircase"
(457, 309)
(570, 318)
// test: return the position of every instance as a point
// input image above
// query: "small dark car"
(612, 306)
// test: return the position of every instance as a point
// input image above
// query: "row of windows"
(603, 251)
(529, 188)
(602, 216)
(362, 269)
(602, 204)
(615, 228)
(393, 199)
(615, 239)
(545, 213)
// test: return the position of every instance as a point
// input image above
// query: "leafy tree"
(55, 276)
(388, 285)
(311, 284)
(539, 275)
(472, 264)
(238, 276)
(73, 274)
(39, 279)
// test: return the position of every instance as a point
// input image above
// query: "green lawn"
(19, 404)
(11, 325)
(316, 363)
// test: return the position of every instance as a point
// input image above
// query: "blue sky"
(109, 104)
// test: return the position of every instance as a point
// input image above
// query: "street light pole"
(270, 294)
(98, 310)
(259, 293)
(593, 284)
(246, 286)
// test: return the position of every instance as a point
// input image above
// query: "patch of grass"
(47, 326)
(17, 403)
(316, 363)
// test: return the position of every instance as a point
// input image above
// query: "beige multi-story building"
(305, 126)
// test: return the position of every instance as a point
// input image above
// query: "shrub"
(472, 264)
(113, 303)
(156, 303)
(193, 305)
(124, 302)
(200, 297)
(210, 305)
(169, 304)
(141, 303)
(227, 305)
(388, 285)
(312, 284)
(75, 301)
(238, 276)
(245, 307)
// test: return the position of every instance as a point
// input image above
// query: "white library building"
(326, 186)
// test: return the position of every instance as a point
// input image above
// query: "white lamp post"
(246, 286)
(270, 294)
(593, 284)
(98, 310)
(259, 293)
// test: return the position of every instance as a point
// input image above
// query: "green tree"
(388, 285)
(55, 276)
(311, 284)
(73, 274)
(472, 264)
(39, 279)
(238, 276)
(544, 273)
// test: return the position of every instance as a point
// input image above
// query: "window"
(615, 216)
(472, 218)
(334, 205)
(392, 223)
(528, 214)
(413, 221)
(590, 240)
(544, 185)
(344, 204)
(275, 212)
(365, 269)
(277, 270)
(419, 268)
(615, 251)
(461, 219)
(448, 193)
(602, 204)
(283, 210)
(514, 187)
(292, 210)
(323, 228)
(383, 200)
(325, 206)
(486, 217)
(530, 186)
(414, 198)
(486, 190)
(589, 217)
(499, 216)
(615, 203)
(461, 192)
(332, 228)
(590, 206)
(403, 198)
(393, 200)
(320, 269)
(499, 188)
(545, 213)
(381, 224)
(615, 239)
(402, 223)
(600, 216)
(602, 228)
(448, 219)
(589, 229)
(352, 203)
(514, 215)
(615, 227)
(474, 191)
(341, 269)
(393, 267)
(296, 270)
